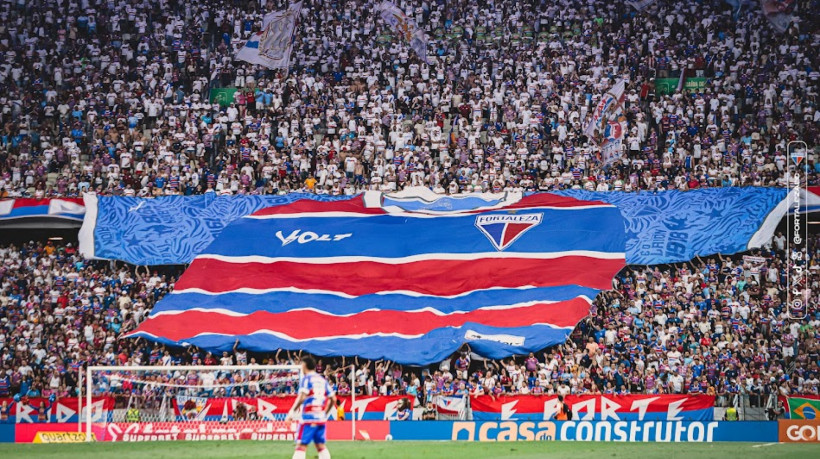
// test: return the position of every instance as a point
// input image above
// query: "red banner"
(33, 410)
(270, 408)
(595, 407)
(25, 433)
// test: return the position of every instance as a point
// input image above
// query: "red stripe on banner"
(30, 202)
(552, 200)
(355, 205)
(304, 325)
(431, 277)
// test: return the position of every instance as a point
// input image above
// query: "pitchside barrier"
(802, 431)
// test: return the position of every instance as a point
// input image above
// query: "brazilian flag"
(804, 408)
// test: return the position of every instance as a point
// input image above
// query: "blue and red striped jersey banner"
(341, 278)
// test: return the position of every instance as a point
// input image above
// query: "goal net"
(163, 403)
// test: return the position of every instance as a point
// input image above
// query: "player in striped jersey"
(316, 399)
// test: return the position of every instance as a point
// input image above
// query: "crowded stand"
(716, 326)
(115, 97)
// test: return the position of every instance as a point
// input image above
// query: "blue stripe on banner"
(559, 230)
(277, 302)
(38, 211)
(425, 350)
(252, 44)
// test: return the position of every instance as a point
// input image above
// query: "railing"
(750, 407)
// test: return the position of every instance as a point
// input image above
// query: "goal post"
(195, 402)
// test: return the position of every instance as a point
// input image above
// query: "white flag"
(405, 27)
(250, 53)
(610, 102)
(273, 46)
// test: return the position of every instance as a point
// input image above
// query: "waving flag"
(608, 120)
(610, 104)
(804, 407)
(273, 46)
(250, 53)
(779, 13)
(405, 27)
(451, 406)
(641, 5)
(340, 278)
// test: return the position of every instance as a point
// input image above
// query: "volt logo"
(309, 236)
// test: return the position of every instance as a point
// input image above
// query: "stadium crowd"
(114, 96)
(715, 326)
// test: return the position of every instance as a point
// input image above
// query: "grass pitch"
(412, 449)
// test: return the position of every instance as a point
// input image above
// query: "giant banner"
(341, 278)
(665, 227)
(595, 407)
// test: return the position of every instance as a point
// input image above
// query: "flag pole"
(353, 401)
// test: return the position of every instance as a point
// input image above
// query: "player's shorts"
(308, 433)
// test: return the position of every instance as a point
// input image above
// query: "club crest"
(798, 157)
(502, 230)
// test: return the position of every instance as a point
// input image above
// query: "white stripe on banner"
(86, 234)
(60, 206)
(410, 293)
(6, 206)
